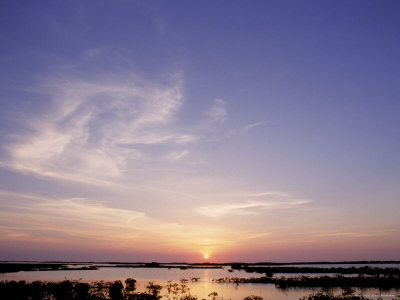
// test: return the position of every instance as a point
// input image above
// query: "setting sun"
(206, 256)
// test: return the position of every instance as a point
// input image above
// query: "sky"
(166, 130)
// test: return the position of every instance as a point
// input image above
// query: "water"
(201, 288)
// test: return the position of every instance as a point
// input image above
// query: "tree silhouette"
(130, 284)
(115, 290)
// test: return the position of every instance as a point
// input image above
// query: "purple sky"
(164, 130)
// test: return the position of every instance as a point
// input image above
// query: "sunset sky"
(167, 130)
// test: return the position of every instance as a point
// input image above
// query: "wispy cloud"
(177, 155)
(75, 217)
(42, 219)
(218, 112)
(252, 126)
(95, 128)
(269, 201)
(125, 137)
(352, 234)
(269, 194)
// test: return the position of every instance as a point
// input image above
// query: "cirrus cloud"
(94, 129)
(254, 204)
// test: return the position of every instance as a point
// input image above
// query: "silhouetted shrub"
(154, 289)
(142, 296)
(14, 290)
(99, 290)
(39, 290)
(130, 284)
(82, 291)
(62, 290)
(252, 297)
(115, 290)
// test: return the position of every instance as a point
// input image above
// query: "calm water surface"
(201, 288)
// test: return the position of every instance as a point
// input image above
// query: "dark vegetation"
(74, 290)
(384, 282)
(16, 267)
(361, 277)
(266, 268)
(365, 270)
(356, 262)
(100, 290)
(6, 267)
(347, 294)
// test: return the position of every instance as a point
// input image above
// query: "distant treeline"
(355, 262)
(336, 270)
(17, 267)
(6, 267)
(261, 267)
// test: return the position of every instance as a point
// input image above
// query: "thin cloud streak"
(252, 126)
(248, 207)
(351, 234)
(177, 155)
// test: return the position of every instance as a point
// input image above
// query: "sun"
(206, 256)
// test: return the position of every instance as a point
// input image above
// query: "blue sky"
(151, 130)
